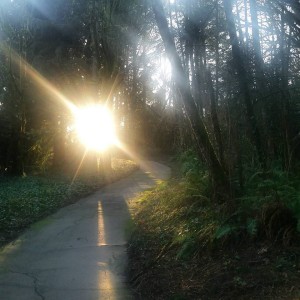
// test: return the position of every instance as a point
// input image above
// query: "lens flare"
(95, 127)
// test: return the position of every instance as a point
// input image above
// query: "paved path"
(79, 253)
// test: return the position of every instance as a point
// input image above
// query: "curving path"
(79, 253)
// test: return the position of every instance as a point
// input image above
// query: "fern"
(224, 230)
(252, 227)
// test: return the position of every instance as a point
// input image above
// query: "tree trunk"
(214, 117)
(247, 38)
(285, 95)
(258, 60)
(243, 81)
(260, 79)
(204, 145)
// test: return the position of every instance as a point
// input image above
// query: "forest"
(209, 87)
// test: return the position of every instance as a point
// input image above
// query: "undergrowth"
(24, 200)
(185, 246)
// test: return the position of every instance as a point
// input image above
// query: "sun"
(95, 128)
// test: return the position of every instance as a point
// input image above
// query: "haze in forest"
(211, 86)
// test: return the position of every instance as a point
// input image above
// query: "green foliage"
(181, 213)
(195, 173)
(177, 227)
(252, 227)
(177, 213)
(274, 186)
(187, 248)
(223, 231)
(42, 148)
(190, 163)
(25, 200)
(269, 208)
(229, 231)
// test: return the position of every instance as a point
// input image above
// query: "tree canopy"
(220, 77)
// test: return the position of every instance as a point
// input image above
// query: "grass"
(25, 200)
(184, 246)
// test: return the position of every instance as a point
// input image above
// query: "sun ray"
(38, 78)
(113, 87)
(79, 167)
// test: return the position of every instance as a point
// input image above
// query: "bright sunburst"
(95, 127)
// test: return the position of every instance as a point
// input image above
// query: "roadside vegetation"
(186, 246)
(25, 200)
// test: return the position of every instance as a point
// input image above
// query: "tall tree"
(243, 81)
(203, 142)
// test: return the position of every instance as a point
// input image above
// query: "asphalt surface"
(78, 253)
